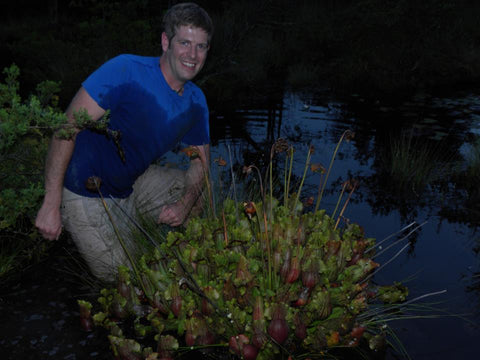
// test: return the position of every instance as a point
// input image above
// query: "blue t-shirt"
(150, 116)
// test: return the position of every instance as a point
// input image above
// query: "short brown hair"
(186, 14)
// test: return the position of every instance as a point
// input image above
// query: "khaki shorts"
(91, 228)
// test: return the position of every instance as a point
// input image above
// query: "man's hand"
(49, 222)
(174, 214)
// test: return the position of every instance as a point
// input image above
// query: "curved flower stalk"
(350, 185)
(347, 135)
(311, 150)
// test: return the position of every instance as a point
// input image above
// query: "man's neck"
(167, 74)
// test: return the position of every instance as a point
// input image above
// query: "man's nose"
(192, 52)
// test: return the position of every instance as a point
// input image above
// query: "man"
(154, 106)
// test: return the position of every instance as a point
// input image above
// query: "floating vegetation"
(258, 280)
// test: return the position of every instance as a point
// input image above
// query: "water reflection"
(395, 189)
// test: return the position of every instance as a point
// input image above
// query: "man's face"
(185, 54)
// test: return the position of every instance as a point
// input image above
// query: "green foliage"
(25, 127)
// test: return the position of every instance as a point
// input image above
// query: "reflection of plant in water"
(473, 162)
(464, 197)
(475, 283)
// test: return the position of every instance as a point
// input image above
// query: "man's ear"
(165, 42)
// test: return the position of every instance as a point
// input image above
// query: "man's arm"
(48, 219)
(176, 214)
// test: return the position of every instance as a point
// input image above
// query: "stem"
(307, 162)
(320, 183)
(396, 242)
(399, 306)
(339, 199)
(271, 183)
(209, 191)
(289, 175)
(285, 194)
(345, 206)
(388, 262)
(392, 235)
(260, 239)
(122, 243)
(330, 168)
(261, 183)
(233, 180)
(224, 228)
(269, 256)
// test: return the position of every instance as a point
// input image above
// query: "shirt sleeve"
(104, 85)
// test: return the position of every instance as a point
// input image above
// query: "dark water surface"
(39, 314)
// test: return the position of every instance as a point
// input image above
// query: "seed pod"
(243, 276)
(294, 271)
(332, 247)
(354, 259)
(249, 352)
(301, 331)
(277, 260)
(158, 303)
(189, 338)
(236, 343)
(357, 332)
(286, 264)
(300, 326)
(259, 338)
(333, 339)
(278, 330)
(166, 347)
(123, 289)
(86, 324)
(309, 279)
(207, 339)
(258, 309)
(85, 309)
(118, 308)
(207, 308)
(176, 305)
(229, 291)
(302, 298)
(278, 327)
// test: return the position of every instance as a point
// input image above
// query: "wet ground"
(39, 312)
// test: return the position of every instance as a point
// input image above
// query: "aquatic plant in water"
(263, 279)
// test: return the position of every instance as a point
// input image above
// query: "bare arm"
(177, 213)
(48, 219)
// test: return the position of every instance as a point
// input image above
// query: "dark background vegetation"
(379, 48)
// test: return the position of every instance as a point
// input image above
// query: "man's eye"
(202, 47)
(184, 43)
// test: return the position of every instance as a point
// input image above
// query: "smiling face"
(184, 55)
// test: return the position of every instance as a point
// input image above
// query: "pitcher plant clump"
(261, 280)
